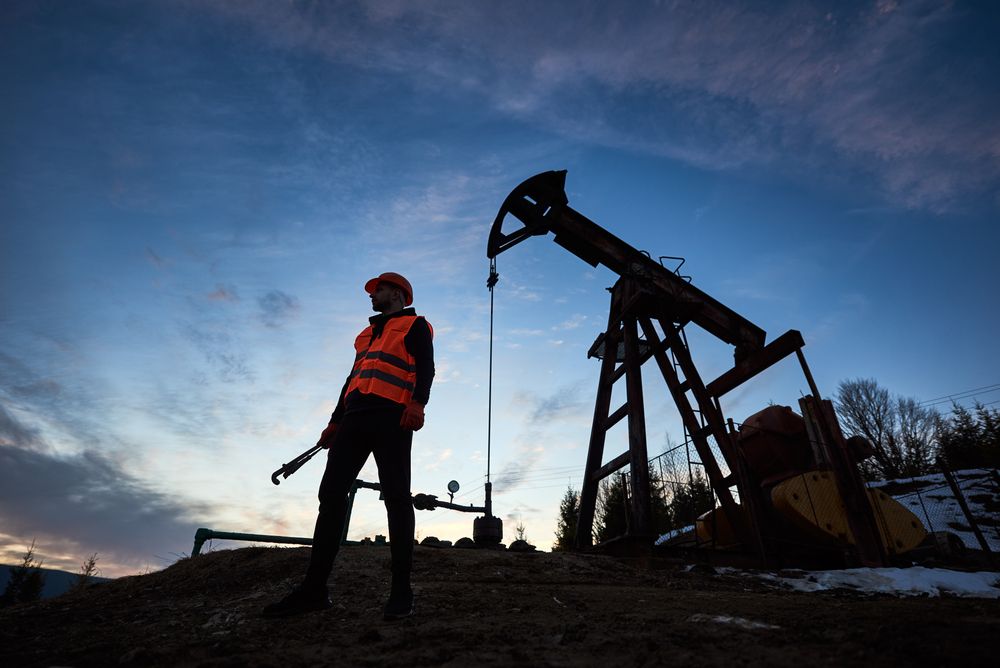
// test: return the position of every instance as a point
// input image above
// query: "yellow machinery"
(802, 496)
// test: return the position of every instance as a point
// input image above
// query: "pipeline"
(420, 502)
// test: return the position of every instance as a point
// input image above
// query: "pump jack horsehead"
(775, 460)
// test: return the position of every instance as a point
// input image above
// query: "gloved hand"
(413, 416)
(326, 438)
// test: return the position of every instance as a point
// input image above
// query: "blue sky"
(193, 194)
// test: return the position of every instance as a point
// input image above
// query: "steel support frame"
(712, 422)
(632, 309)
(623, 328)
(599, 426)
(824, 430)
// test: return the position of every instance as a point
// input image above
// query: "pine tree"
(611, 518)
(569, 514)
(26, 581)
(520, 529)
(691, 500)
(88, 571)
(989, 431)
(970, 439)
(661, 515)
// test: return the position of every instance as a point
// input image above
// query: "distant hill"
(56, 582)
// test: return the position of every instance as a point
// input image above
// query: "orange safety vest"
(384, 367)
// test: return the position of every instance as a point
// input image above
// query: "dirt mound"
(479, 607)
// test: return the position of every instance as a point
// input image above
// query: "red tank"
(775, 444)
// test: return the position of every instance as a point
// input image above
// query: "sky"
(193, 194)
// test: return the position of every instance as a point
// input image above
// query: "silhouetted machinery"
(787, 486)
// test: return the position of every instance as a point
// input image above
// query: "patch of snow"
(741, 622)
(673, 534)
(915, 581)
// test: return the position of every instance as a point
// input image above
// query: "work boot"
(399, 605)
(298, 602)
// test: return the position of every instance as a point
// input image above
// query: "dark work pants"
(359, 435)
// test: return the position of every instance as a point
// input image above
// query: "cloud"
(572, 322)
(436, 459)
(72, 403)
(564, 403)
(220, 351)
(12, 432)
(543, 412)
(852, 88)
(514, 472)
(155, 259)
(519, 291)
(224, 293)
(516, 517)
(85, 503)
(849, 310)
(38, 388)
(277, 308)
(436, 226)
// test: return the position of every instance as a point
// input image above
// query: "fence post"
(960, 497)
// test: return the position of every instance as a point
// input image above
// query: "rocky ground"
(493, 608)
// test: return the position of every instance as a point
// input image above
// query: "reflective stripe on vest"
(384, 367)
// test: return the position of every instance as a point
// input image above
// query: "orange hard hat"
(394, 279)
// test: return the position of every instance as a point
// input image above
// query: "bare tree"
(901, 432)
(917, 435)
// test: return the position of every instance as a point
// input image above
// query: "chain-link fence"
(680, 492)
(935, 501)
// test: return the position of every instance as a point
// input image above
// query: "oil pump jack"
(778, 462)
